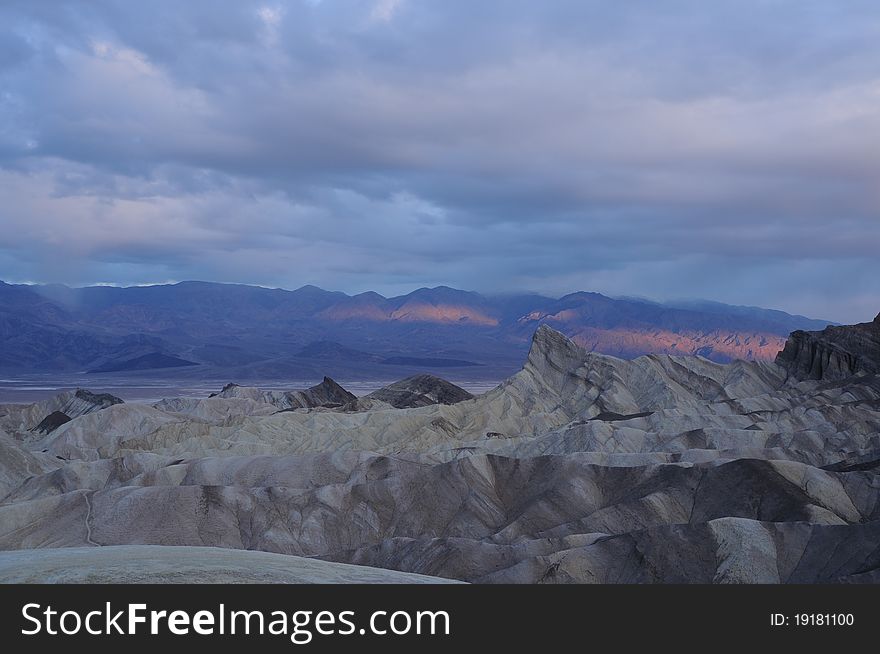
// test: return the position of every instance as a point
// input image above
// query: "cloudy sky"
(676, 149)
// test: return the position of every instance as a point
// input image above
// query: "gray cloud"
(673, 149)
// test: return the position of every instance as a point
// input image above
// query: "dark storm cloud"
(726, 150)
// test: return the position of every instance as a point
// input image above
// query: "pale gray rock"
(72, 404)
(216, 409)
(149, 564)
(17, 465)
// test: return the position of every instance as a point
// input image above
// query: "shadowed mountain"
(834, 353)
(152, 361)
(427, 362)
(330, 350)
(244, 332)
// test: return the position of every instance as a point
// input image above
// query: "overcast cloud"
(726, 150)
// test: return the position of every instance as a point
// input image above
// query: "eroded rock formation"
(420, 390)
(579, 468)
(833, 353)
(326, 394)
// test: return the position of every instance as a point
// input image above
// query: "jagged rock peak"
(228, 389)
(328, 392)
(836, 352)
(102, 400)
(547, 340)
(554, 349)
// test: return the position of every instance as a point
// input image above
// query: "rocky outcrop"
(327, 394)
(834, 353)
(71, 404)
(420, 390)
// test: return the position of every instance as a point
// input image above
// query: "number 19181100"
(824, 619)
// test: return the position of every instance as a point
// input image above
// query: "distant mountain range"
(201, 329)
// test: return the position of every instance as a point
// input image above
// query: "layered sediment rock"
(833, 353)
(326, 394)
(420, 390)
(70, 404)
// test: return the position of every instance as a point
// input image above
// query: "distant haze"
(681, 149)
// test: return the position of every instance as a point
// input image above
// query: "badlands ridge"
(579, 468)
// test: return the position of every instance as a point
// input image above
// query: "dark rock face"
(833, 353)
(420, 390)
(79, 403)
(326, 394)
(97, 400)
(610, 416)
(52, 422)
